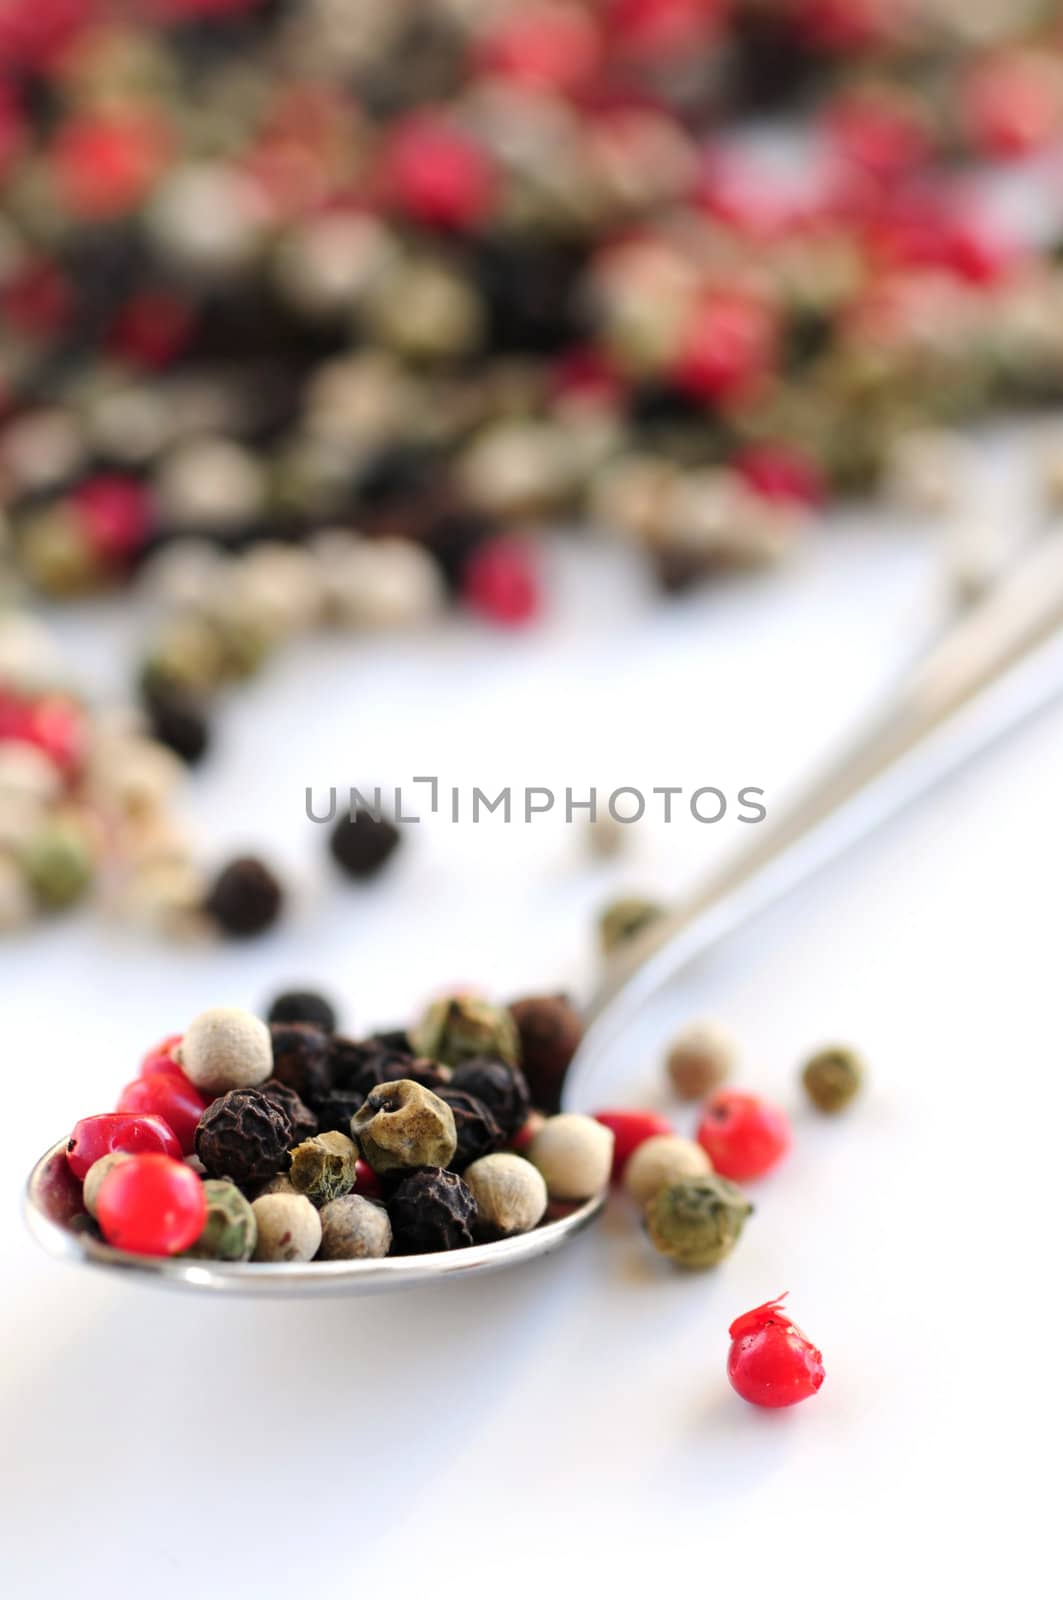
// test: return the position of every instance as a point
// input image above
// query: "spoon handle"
(1001, 662)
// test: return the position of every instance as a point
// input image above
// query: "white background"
(572, 1422)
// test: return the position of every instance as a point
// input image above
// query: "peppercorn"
(771, 1362)
(832, 1077)
(225, 1048)
(95, 1176)
(550, 1030)
(574, 1155)
(289, 1228)
(303, 1005)
(336, 1108)
(697, 1221)
(244, 1135)
(58, 864)
(245, 898)
(323, 1167)
(510, 1194)
(624, 920)
(500, 1087)
(699, 1059)
(664, 1159)
(458, 1027)
(230, 1231)
(302, 1058)
(362, 843)
(354, 1229)
(303, 1120)
(431, 1210)
(359, 1066)
(477, 1130)
(403, 1124)
(178, 721)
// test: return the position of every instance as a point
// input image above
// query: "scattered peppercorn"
(771, 1362)
(230, 1231)
(245, 898)
(550, 1030)
(354, 1229)
(431, 1210)
(699, 1059)
(244, 1135)
(303, 1005)
(460, 1027)
(697, 1221)
(361, 844)
(832, 1078)
(324, 1167)
(477, 1129)
(302, 1058)
(743, 1136)
(624, 920)
(404, 1125)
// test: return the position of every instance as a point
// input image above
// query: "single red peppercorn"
(728, 348)
(152, 1205)
(168, 1095)
(366, 1181)
(112, 513)
(434, 172)
(743, 1136)
(771, 1362)
(103, 165)
(501, 582)
(94, 1137)
(56, 726)
(782, 473)
(629, 1130)
(160, 1058)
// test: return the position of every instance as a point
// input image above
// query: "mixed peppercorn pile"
(282, 1140)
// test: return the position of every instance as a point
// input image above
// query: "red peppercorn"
(548, 46)
(782, 473)
(728, 348)
(366, 1181)
(437, 174)
(501, 582)
(94, 1137)
(1012, 104)
(771, 1362)
(104, 165)
(629, 1130)
(160, 1058)
(743, 1136)
(152, 1205)
(152, 329)
(56, 726)
(113, 515)
(168, 1095)
(886, 136)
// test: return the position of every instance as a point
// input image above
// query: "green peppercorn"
(230, 1232)
(697, 1222)
(58, 864)
(624, 919)
(324, 1167)
(404, 1124)
(832, 1077)
(460, 1027)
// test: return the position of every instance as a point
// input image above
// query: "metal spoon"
(991, 671)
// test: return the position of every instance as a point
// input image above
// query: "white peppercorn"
(665, 1158)
(574, 1154)
(354, 1229)
(226, 1048)
(289, 1228)
(699, 1058)
(510, 1193)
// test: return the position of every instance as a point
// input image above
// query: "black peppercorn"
(177, 720)
(304, 1122)
(244, 1135)
(431, 1210)
(550, 1031)
(245, 898)
(302, 1058)
(476, 1126)
(357, 1066)
(502, 1089)
(336, 1108)
(303, 1005)
(392, 1039)
(361, 844)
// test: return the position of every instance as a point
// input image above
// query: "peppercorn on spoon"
(992, 670)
